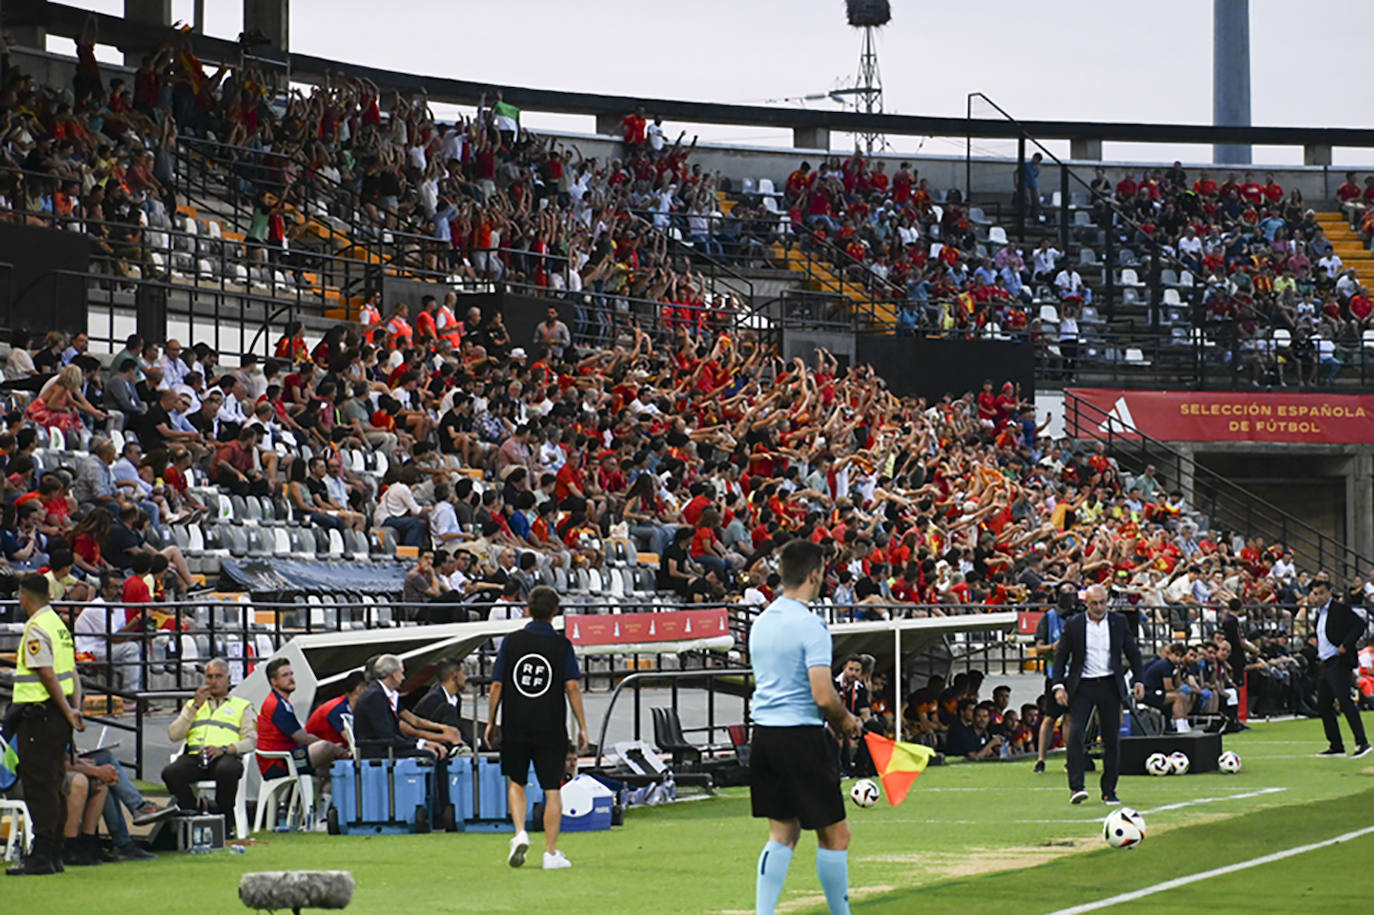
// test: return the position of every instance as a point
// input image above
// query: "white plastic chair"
(1049, 314)
(206, 788)
(1171, 297)
(1134, 356)
(299, 789)
(1130, 278)
(19, 836)
(1368, 339)
(997, 235)
(766, 187)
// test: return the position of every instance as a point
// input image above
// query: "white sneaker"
(555, 861)
(519, 844)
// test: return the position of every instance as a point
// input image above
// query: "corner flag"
(898, 764)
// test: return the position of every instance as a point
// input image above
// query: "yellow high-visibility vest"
(27, 686)
(217, 728)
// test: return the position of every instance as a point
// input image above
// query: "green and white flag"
(507, 116)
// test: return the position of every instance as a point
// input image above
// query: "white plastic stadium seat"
(997, 235)
(766, 187)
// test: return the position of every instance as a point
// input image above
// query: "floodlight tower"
(867, 94)
(1231, 76)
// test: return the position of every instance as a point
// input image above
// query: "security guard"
(48, 694)
(219, 730)
(535, 669)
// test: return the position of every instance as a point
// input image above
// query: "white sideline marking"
(1215, 872)
(1211, 800)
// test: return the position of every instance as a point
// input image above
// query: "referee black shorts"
(1052, 708)
(548, 757)
(794, 774)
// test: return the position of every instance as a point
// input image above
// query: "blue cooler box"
(395, 795)
(491, 810)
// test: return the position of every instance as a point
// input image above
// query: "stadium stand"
(414, 460)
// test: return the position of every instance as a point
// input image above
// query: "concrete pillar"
(1316, 154)
(1085, 149)
(153, 12)
(811, 138)
(1359, 505)
(272, 18)
(1231, 76)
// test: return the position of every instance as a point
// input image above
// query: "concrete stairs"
(1347, 245)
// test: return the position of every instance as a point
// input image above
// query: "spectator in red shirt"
(635, 124)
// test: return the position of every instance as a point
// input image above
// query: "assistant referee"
(794, 773)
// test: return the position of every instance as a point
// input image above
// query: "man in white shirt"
(1088, 666)
(174, 370)
(398, 509)
(1331, 263)
(1070, 285)
(443, 519)
(101, 631)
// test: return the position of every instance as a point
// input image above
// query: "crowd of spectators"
(1258, 259)
(478, 199)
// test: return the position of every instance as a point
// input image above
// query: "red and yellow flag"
(898, 764)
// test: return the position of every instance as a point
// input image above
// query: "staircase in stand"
(1347, 245)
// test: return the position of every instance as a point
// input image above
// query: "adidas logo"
(1120, 416)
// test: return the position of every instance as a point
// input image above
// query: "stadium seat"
(997, 235)
(1135, 356)
(336, 543)
(1367, 338)
(766, 187)
(1049, 314)
(1081, 218)
(668, 737)
(1087, 258)
(1129, 296)
(1171, 297)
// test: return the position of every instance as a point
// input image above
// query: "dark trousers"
(225, 771)
(1335, 678)
(1100, 694)
(43, 735)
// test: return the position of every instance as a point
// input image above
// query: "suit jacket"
(1072, 652)
(377, 728)
(1345, 627)
(434, 706)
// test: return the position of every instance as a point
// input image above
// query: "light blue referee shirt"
(786, 639)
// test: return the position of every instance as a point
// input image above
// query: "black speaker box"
(1202, 750)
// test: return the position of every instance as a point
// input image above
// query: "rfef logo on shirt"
(533, 675)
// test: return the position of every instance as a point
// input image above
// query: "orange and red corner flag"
(898, 764)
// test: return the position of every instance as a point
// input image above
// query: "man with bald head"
(1090, 674)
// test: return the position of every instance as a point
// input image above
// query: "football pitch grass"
(969, 838)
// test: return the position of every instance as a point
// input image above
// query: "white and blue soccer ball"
(1229, 762)
(865, 792)
(1158, 764)
(1178, 762)
(1123, 828)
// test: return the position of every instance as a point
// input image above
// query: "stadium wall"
(45, 290)
(922, 367)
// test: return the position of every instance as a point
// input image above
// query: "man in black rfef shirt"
(534, 669)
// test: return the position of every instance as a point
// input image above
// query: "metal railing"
(176, 639)
(1227, 504)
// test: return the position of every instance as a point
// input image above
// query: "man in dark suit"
(377, 717)
(1088, 665)
(1338, 629)
(444, 701)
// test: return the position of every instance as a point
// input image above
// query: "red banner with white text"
(1219, 416)
(640, 628)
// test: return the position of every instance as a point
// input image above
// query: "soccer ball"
(1229, 762)
(1178, 762)
(865, 792)
(1158, 764)
(1123, 828)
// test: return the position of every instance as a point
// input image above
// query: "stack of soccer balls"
(865, 792)
(1124, 828)
(1175, 763)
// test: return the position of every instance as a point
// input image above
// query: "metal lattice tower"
(866, 96)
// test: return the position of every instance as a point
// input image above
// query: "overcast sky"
(1065, 60)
